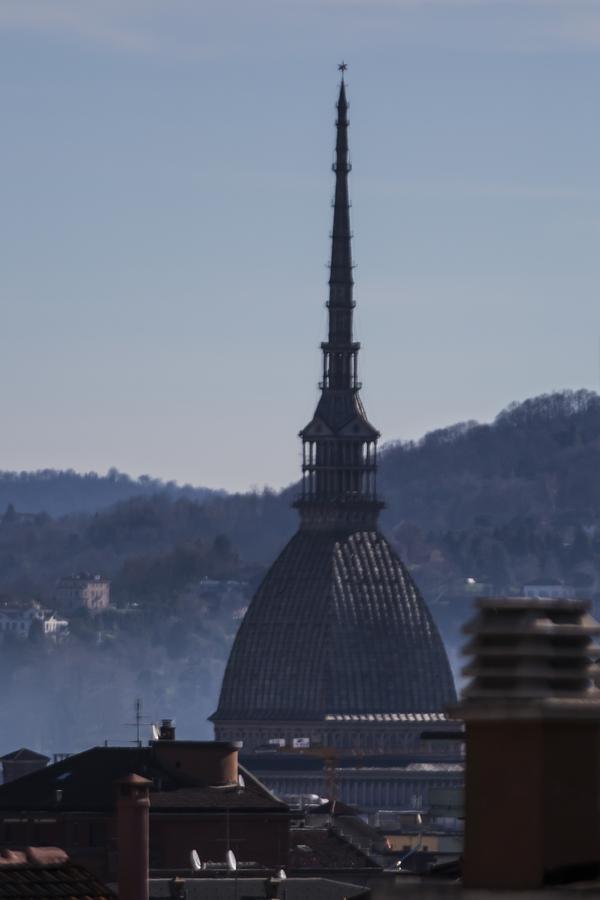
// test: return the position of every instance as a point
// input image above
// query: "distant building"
(21, 762)
(17, 619)
(370, 781)
(54, 626)
(197, 801)
(338, 658)
(83, 591)
(549, 589)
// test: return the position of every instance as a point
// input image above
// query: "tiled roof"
(323, 848)
(45, 873)
(208, 798)
(86, 782)
(337, 625)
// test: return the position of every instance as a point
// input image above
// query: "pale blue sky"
(164, 221)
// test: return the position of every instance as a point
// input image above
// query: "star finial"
(342, 67)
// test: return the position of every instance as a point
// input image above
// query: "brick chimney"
(212, 763)
(133, 834)
(532, 715)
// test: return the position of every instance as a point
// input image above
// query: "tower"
(339, 444)
(337, 650)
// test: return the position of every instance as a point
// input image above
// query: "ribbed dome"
(337, 626)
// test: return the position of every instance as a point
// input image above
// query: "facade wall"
(258, 838)
(18, 622)
(91, 593)
(385, 737)
(366, 790)
(91, 839)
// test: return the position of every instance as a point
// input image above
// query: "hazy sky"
(164, 221)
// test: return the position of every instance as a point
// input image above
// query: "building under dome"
(338, 649)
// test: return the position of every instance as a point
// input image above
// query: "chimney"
(133, 834)
(213, 763)
(532, 715)
(166, 730)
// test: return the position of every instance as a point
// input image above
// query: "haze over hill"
(499, 504)
(467, 455)
(60, 492)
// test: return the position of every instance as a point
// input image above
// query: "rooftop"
(337, 629)
(323, 848)
(46, 872)
(86, 782)
(24, 755)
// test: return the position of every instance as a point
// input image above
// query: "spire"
(340, 352)
(340, 444)
(340, 278)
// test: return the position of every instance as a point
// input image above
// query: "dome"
(337, 626)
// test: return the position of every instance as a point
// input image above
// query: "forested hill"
(61, 492)
(501, 503)
(537, 459)
(471, 509)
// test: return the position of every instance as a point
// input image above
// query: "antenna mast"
(139, 722)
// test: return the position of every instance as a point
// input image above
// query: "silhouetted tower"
(340, 445)
(337, 645)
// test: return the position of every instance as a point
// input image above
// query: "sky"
(165, 212)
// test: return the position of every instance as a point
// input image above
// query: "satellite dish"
(281, 874)
(231, 861)
(241, 782)
(195, 861)
(155, 733)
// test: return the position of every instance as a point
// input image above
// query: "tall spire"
(340, 444)
(340, 278)
(339, 351)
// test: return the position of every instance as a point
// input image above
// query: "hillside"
(504, 503)
(59, 493)
(472, 509)
(538, 458)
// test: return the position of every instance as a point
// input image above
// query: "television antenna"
(139, 722)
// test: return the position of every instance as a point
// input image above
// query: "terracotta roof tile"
(45, 873)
